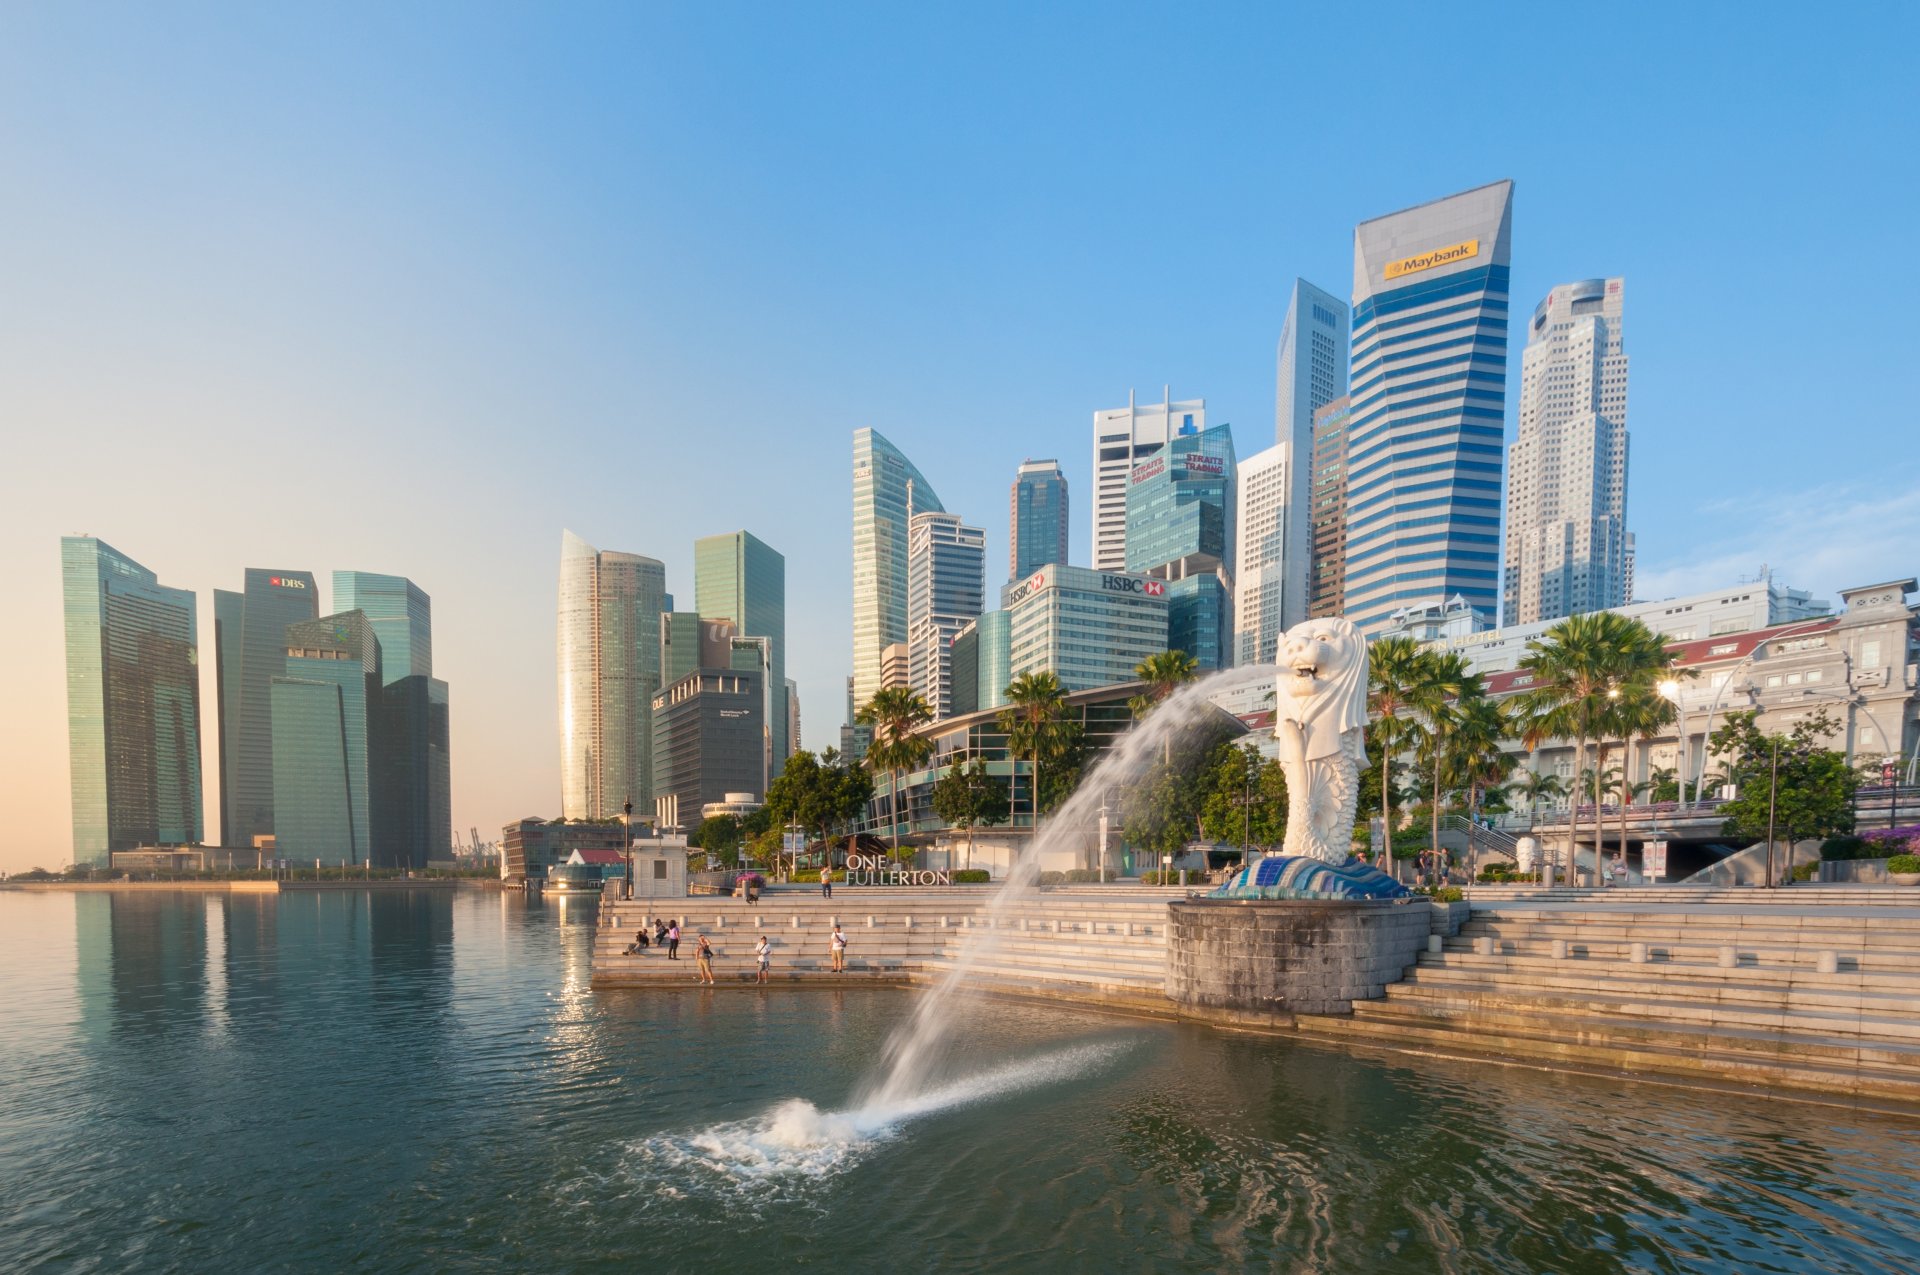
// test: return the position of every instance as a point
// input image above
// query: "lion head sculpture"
(1322, 687)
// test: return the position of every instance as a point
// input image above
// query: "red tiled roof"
(600, 856)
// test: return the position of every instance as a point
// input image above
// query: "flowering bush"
(1890, 841)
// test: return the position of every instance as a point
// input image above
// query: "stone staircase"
(1090, 944)
(1821, 996)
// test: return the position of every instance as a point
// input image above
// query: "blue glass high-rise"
(250, 644)
(1180, 522)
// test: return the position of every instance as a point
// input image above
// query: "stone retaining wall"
(1270, 959)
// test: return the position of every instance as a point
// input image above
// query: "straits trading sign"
(877, 869)
(1201, 463)
(1148, 469)
(1438, 257)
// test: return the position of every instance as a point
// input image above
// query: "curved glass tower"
(887, 492)
(133, 704)
(609, 666)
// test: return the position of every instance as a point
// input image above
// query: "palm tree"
(1579, 667)
(1396, 671)
(1638, 711)
(894, 713)
(1164, 673)
(1036, 709)
(1447, 686)
(1536, 786)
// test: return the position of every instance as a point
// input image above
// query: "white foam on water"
(795, 1140)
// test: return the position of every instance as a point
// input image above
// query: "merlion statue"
(1320, 716)
(1319, 724)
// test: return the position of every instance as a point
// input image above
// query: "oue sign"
(877, 869)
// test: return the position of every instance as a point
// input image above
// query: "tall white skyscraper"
(1428, 387)
(946, 591)
(887, 492)
(1270, 555)
(1122, 438)
(609, 665)
(1568, 548)
(1312, 372)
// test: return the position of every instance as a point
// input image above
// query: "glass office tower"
(133, 704)
(887, 492)
(326, 711)
(1037, 518)
(250, 643)
(609, 668)
(946, 589)
(401, 614)
(739, 577)
(1180, 528)
(1428, 392)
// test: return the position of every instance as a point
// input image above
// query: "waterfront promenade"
(1814, 989)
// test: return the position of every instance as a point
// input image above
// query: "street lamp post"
(1773, 791)
(626, 822)
(1670, 689)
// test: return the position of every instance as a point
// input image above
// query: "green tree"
(1164, 673)
(1442, 702)
(720, 837)
(1396, 686)
(966, 796)
(1536, 787)
(1578, 668)
(895, 713)
(1035, 721)
(1231, 807)
(1789, 786)
(820, 794)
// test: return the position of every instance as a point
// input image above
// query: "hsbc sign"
(1032, 584)
(1130, 584)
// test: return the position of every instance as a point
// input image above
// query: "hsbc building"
(1089, 628)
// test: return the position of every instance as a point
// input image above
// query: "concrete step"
(1774, 961)
(1729, 994)
(1524, 966)
(1667, 1007)
(1489, 1015)
(1570, 1044)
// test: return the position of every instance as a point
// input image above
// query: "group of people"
(666, 934)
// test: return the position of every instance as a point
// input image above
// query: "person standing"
(838, 946)
(763, 956)
(826, 880)
(703, 959)
(673, 941)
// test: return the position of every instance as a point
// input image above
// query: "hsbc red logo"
(1154, 588)
(1133, 584)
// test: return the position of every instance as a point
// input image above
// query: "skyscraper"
(1428, 390)
(1122, 438)
(609, 665)
(887, 492)
(1312, 372)
(1036, 518)
(1265, 552)
(401, 614)
(793, 717)
(1180, 528)
(946, 588)
(133, 704)
(1568, 548)
(250, 644)
(411, 771)
(738, 577)
(1327, 583)
(325, 710)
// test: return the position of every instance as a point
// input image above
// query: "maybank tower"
(1428, 386)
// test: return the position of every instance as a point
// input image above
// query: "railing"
(1479, 834)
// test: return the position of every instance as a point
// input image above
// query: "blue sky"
(410, 288)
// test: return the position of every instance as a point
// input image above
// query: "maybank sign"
(1429, 260)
